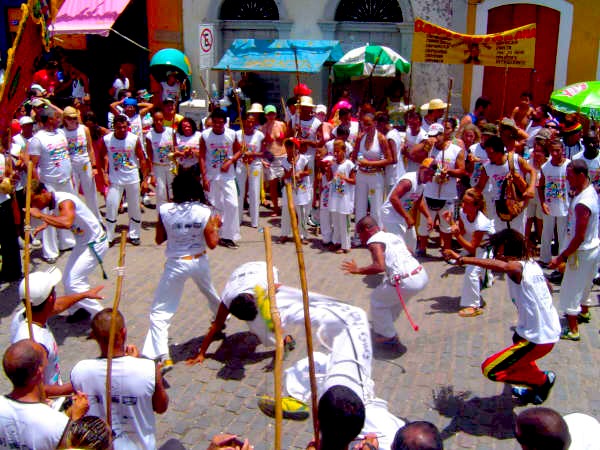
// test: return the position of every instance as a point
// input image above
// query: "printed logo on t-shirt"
(121, 158)
(57, 153)
(218, 154)
(77, 146)
(555, 189)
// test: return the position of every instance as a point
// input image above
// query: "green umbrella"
(370, 60)
(582, 97)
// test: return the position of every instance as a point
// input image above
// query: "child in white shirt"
(342, 174)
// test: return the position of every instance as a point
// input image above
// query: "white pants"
(577, 282)
(325, 222)
(223, 196)
(164, 179)
(548, 234)
(423, 228)
(54, 239)
(80, 265)
(301, 214)
(471, 290)
(397, 225)
(369, 191)
(167, 297)
(254, 179)
(341, 234)
(83, 178)
(386, 306)
(132, 192)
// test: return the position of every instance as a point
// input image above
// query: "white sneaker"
(146, 200)
(36, 243)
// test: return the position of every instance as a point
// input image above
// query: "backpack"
(511, 202)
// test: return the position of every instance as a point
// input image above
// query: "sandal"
(470, 311)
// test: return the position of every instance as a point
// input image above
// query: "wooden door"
(497, 82)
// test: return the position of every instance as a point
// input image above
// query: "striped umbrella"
(370, 60)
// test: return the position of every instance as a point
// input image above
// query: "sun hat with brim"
(40, 285)
(25, 120)
(435, 103)
(70, 112)
(256, 108)
(270, 109)
(307, 101)
(571, 128)
(435, 129)
(489, 129)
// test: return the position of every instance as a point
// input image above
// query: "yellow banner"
(511, 48)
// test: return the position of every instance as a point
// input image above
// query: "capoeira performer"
(405, 277)
(342, 328)
(44, 305)
(159, 143)
(219, 150)
(49, 153)
(538, 326)
(371, 154)
(71, 213)
(405, 204)
(83, 159)
(123, 156)
(250, 168)
(188, 227)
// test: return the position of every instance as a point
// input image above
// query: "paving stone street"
(437, 376)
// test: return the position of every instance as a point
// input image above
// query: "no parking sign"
(207, 46)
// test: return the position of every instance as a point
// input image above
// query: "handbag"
(511, 202)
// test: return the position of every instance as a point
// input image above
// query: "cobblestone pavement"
(436, 377)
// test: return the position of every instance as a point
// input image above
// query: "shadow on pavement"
(442, 305)
(62, 330)
(235, 352)
(372, 281)
(10, 295)
(479, 416)
(172, 444)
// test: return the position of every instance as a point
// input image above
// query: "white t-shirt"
(189, 143)
(119, 84)
(329, 148)
(532, 130)
(43, 336)
(556, 188)
(133, 384)
(254, 145)
(394, 171)
(496, 175)
(341, 193)
(593, 170)
(308, 130)
(78, 144)
(136, 127)
(162, 145)
(122, 160)
(52, 148)
(3, 197)
(86, 227)
(184, 223)
(398, 259)
(409, 199)
(411, 140)
(303, 192)
(481, 223)
(538, 320)
(219, 148)
(478, 152)
(584, 431)
(171, 91)
(589, 199)
(354, 130)
(448, 190)
(33, 426)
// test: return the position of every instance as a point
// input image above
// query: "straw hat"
(307, 101)
(434, 103)
(256, 108)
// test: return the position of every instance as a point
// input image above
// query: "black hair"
(218, 114)
(419, 435)
(527, 94)
(495, 144)
(90, 433)
(341, 416)
(291, 101)
(514, 244)
(189, 120)
(21, 362)
(482, 102)
(343, 112)
(342, 130)
(186, 188)
(412, 113)
(542, 428)
(120, 119)
(244, 307)
(453, 122)
(382, 117)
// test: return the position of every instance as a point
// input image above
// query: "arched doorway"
(249, 10)
(369, 11)
(539, 80)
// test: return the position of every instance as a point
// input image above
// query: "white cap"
(435, 129)
(321, 109)
(40, 285)
(328, 158)
(25, 120)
